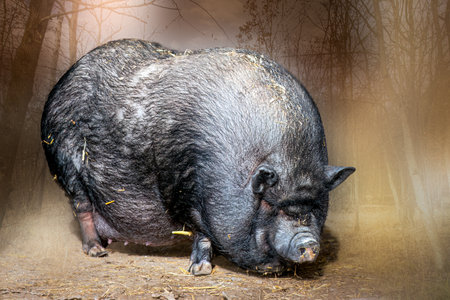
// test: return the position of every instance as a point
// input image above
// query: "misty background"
(379, 71)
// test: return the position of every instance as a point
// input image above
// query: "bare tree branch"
(104, 5)
(126, 15)
(212, 18)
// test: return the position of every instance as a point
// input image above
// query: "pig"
(222, 143)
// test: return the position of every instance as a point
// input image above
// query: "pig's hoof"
(201, 255)
(202, 268)
(95, 251)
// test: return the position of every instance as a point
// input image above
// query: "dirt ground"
(138, 272)
(41, 257)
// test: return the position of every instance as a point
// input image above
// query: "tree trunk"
(73, 24)
(54, 67)
(386, 82)
(20, 92)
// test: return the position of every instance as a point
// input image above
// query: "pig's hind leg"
(200, 263)
(92, 244)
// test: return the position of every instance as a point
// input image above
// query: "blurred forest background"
(379, 71)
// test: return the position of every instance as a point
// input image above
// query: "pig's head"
(291, 222)
(297, 217)
(282, 225)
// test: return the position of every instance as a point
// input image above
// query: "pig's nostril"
(308, 254)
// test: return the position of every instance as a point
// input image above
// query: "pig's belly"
(142, 227)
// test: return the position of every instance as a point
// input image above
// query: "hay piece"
(183, 232)
(51, 142)
(84, 150)
(112, 201)
(212, 287)
(47, 142)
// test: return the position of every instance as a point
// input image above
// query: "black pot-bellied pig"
(147, 141)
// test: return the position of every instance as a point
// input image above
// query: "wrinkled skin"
(146, 140)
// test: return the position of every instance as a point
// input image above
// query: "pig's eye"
(289, 216)
(290, 212)
(295, 214)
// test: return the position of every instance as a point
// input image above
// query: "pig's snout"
(303, 250)
(297, 243)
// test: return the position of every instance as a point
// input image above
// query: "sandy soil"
(139, 272)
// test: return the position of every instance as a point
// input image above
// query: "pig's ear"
(334, 176)
(263, 178)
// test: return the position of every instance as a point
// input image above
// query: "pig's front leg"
(200, 263)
